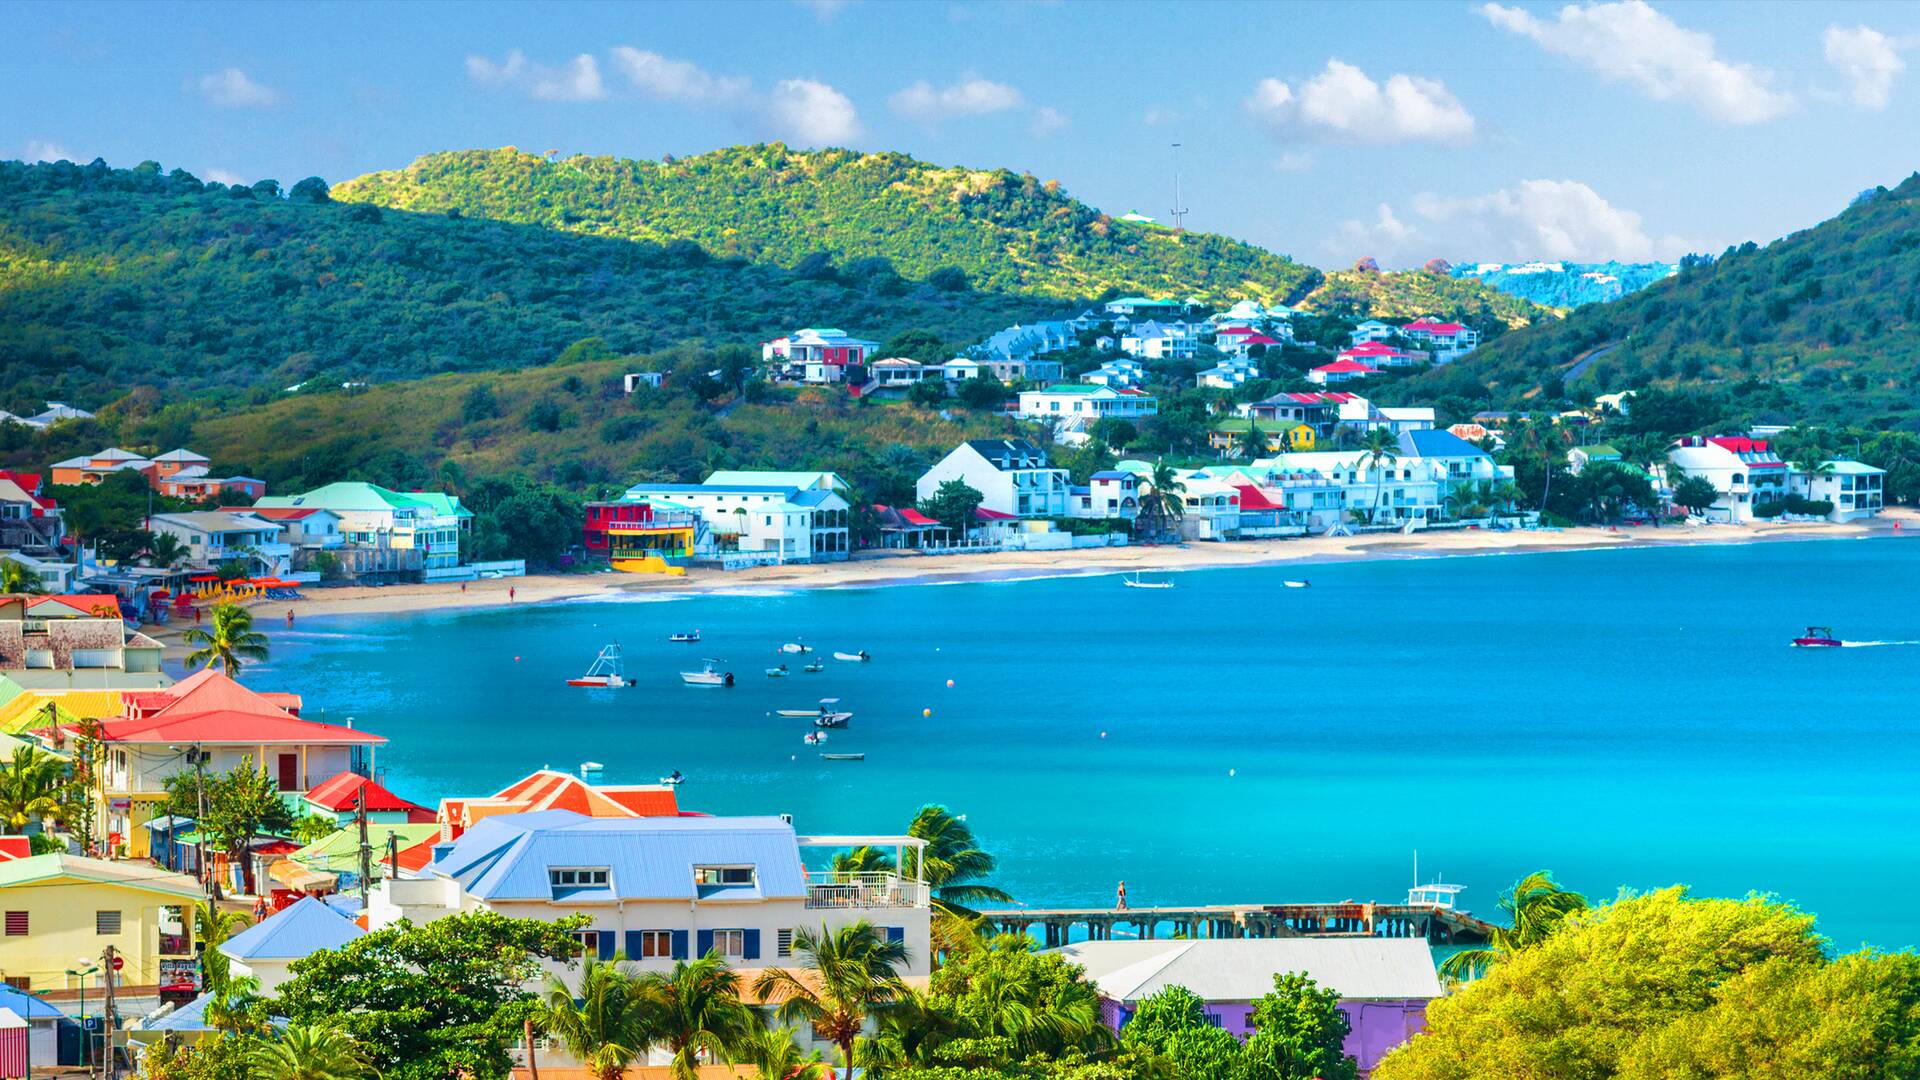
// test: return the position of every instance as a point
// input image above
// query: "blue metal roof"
(507, 857)
(301, 930)
(1429, 443)
(193, 1017)
(26, 1006)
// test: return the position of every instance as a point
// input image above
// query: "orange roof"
(550, 790)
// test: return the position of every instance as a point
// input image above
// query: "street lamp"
(84, 967)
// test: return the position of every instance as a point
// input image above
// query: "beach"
(904, 569)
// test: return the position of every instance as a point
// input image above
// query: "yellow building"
(1282, 436)
(56, 909)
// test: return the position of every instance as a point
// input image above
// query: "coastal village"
(114, 854)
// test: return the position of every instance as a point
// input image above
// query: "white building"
(213, 537)
(1855, 490)
(1110, 493)
(1083, 403)
(1448, 340)
(898, 372)
(1119, 374)
(783, 516)
(661, 889)
(1252, 311)
(1340, 371)
(1228, 375)
(1746, 472)
(264, 950)
(1160, 341)
(1012, 476)
(1373, 330)
(960, 367)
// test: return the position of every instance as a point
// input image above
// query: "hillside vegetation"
(114, 278)
(1822, 323)
(1409, 294)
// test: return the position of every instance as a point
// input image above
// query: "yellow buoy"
(926, 712)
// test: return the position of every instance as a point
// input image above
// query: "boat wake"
(1872, 644)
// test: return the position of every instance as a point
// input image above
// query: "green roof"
(1235, 424)
(1852, 468)
(359, 495)
(9, 690)
(1600, 450)
(132, 875)
(1073, 388)
(339, 852)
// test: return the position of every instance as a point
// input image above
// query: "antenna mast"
(1179, 209)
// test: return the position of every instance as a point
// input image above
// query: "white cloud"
(233, 89)
(1342, 104)
(1535, 219)
(824, 10)
(1293, 161)
(1868, 60)
(970, 97)
(667, 79)
(576, 80)
(222, 176)
(1628, 41)
(43, 150)
(1047, 120)
(809, 113)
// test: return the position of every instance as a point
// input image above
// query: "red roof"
(1328, 397)
(209, 690)
(914, 517)
(549, 790)
(274, 513)
(232, 727)
(1236, 331)
(981, 513)
(28, 482)
(1426, 326)
(342, 792)
(1739, 444)
(1252, 498)
(1347, 365)
(87, 602)
(1370, 348)
(1258, 339)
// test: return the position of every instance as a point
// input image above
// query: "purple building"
(1384, 983)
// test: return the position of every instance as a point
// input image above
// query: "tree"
(928, 393)
(229, 642)
(1253, 445)
(211, 926)
(1380, 449)
(982, 393)
(697, 1010)
(1163, 503)
(948, 279)
(952, 862)
(241, 804)
(776, 1055)
(31, 786)
(1037, 1004)
(480, 404)
(311, 1052)
(917, 345)
(850, 973)
(427, 1001)
(606, 1026)
(1696, 493)
(1115, 431)
(1172, 1026)
(16, 578)
(311, 190)
(863, 860)
(952, 504)
(1299, 1033)
(164, 550)
(1535, 907)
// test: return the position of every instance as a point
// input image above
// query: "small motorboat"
(814, 738)
(590, 767)
(1298, 584)
(685, 638)
(780, 672)
(605, 671)
(674, 779)
(815, 666)
(1817, 637)
(843, 757)
(1135, 581)
(860, 657)
(832, 719)
(708, 675)
(795, 647)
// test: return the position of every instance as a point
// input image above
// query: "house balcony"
(877, 889)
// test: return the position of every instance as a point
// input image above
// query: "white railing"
(874, 889)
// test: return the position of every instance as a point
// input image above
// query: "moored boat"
(708, 675)
(673, 779)
(605, 670)
(685, 637)
(778, 672)
(815, 666)
(795, 647)
(1817, 637)
(1298, 584)
(1135, 581)
(814, 738)
(843, 757)
(855, 657)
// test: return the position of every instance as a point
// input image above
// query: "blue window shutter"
(679, 944)
(751, 950)
(633, 944)
(896, 933)
(607, 938)
(705, 939)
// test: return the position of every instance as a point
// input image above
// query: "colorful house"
(781, 516)
(1340, 371)
(340, 796)
(1381, 355)
(54, 908)
(905, 527)
(1746, 472)
(1013, 477)
(28, 517)
(642, 536)
(375, 519)
(1280, 436)
(264, 950)
(821, 354)
(550, 790)
(1384, 984)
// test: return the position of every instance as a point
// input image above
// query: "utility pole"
(366, 851)
(199, 759)
(1179, 208)
(109, 1018)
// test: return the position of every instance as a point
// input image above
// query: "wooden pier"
(1437, 924)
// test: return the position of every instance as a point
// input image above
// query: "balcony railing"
(876, 889)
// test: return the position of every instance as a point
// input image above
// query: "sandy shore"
(877, 570)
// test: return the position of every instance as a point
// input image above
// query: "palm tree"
(846, 976)
(775, 1055)
(1380, 449)
(211, 926)
(908, 1029)
(1164, 497)
(606, 1026)
(16, 578)
(1254, 443)
(231, 641)
(230, 1006)
(311, 1052)
(697, 1010)
(31, 786)
(1536, 906)
(952, 863)
(863, 860)
(165, 550)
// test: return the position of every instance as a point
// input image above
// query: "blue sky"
(1470, 131)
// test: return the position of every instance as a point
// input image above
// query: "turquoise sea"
(1628, 718)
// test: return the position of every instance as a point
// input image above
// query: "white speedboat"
(815, 666)
(605, 671)
(674, 779)
(860, 657)
(831, 719)
(780, 672)
(794, 647)
(590, 767)
(708, 675)
(688, 638)
(1298, 584)
(1135, 581)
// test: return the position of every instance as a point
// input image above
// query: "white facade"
(1012, 476)
(1119, 374)
(779, 518)
(212, 537)
(1855, 490)
(1746, 472)
(1228, 375)
(1085, 403)
(1373, 330)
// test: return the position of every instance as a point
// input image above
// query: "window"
(106, 922)
(655, 943)
(723, 875)
(589, 940)
(577, 877)
(783, 942)
(730, 942)
(16, 924)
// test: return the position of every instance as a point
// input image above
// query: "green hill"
(114, 278)
(1821, 326)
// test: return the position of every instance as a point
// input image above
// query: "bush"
(1770, 510)
(1799, 504)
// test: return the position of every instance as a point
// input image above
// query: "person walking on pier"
(1120, 898)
